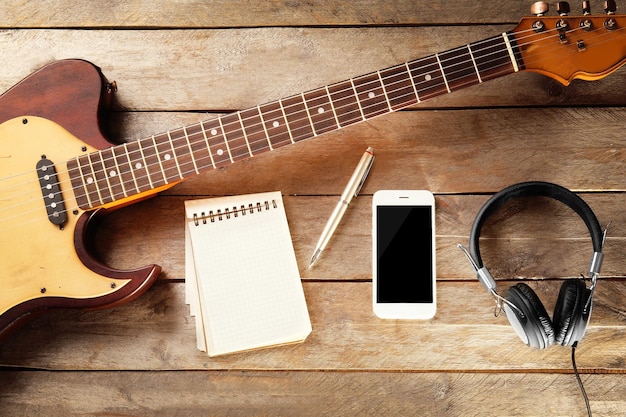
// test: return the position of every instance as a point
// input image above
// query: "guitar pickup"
(51, 192)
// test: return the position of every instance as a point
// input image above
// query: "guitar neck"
(123, 171)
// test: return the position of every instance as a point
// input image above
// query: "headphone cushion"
(538, 323)
(568, 310)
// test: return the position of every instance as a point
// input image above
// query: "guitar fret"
(226, 144)
(474, 63)
(112, 173)
(457, 64)
(235, 137)
(320, 111)
(138, 162)
(298, 118)
(245, 135)
(370, 95)
(79, 186)
(101, 181)
(165, 157)
(332, 106)
(267, 136)
(188, 157)
(275, 124)
(120, 171)
(86, 173)
(183, 158)
(345, 103)
(427, 76)
(217, 142)
(509, 49)
(356, 96)
(282, 109)
(443, 75)
(492, 58)
(408, 69)
(199, 145)
(308, 114)
(382, 84)
(254, 131)
(152, 162)
(126, 172)
(174, 155)
(400, 90)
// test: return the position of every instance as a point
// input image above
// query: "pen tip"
(314, 258)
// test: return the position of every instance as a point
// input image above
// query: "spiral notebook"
(242, 279)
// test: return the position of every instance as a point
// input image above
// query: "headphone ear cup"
(535, 322)
(570, 321)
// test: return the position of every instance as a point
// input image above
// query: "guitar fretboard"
(122, 171)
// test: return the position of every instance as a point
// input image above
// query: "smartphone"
(403, 240)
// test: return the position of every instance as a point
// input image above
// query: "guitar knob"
(562, 8)
(610, 7)
(540, 8)
(586, 8)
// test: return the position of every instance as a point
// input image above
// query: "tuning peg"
(610, 7)
(540, 8)
(562, 8)
(586, 8)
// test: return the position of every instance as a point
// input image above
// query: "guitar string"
(378, 86)
(264, 140)
(384, 112)
(376, 83)
(349, 121)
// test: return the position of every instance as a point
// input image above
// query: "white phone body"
(404, 264)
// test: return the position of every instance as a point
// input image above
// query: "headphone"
(522, 306)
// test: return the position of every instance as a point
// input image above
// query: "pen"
(351, 190)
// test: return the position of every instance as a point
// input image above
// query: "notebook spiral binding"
(228, 212)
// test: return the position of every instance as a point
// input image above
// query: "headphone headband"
(536, 188)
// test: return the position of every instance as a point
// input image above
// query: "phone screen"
(404, 246)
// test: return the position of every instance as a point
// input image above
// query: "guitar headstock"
(566, 47)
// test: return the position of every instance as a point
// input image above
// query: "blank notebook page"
(249, 291)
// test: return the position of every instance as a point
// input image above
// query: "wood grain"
(157, 333)
(243, 393)
(177, 63)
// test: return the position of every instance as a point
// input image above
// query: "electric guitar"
(58, 173)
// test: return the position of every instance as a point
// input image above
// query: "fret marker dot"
(427, 77)
(112, 173)
(276, 124)
(320, 110)
(167, 156)
(89, 180)
(220, 152)
(138, 165)
(371, 94)
(214, 132)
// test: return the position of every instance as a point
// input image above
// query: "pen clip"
(364, 176)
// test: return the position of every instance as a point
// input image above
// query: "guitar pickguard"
(38, 258)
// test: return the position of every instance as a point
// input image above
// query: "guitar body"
(45, 265)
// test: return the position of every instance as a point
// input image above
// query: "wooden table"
(177, 63)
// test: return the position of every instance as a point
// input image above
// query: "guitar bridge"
(51, 192)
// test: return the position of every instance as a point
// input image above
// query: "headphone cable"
(580, 382)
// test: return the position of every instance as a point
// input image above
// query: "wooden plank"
(241, 68)
(156, 333)
(225, 13)
(526, 245)
(306, 393)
